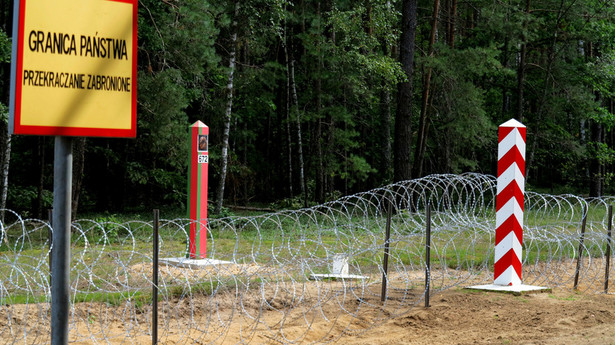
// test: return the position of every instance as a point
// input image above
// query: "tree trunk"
(520, 83)
(330, 177)
(318, 139)
(320, 168)
(5, 157)
(505, 94)
(227, 115)
(421, 139)
(547, 86)
(299, 135)
(5, 177)
(452, 19)
(5, 173)
(595, 165)
(521, 69)
(386, 131)
(288, 135)
(386, 164)
(403, 118)
(41, 176)
(298, 114)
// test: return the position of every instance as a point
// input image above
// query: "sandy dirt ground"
(456, 316)
(468, 317)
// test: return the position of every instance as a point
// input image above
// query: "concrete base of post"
(193, 263)
(339, 270)
(517, 290)
(333, 276)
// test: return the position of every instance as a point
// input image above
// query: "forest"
(307, 101)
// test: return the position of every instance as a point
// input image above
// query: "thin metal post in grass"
(580, 252)
(155, 281)
(608, 250)
(427, 255)
(385, 262)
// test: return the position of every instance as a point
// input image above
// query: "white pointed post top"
(198, 124)
(512, 123)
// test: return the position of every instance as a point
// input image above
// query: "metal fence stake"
(385, 261)
(155, 280)
(583, 223)
(427, 256)
(608, 250)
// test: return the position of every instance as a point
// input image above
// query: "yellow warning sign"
(74, 68)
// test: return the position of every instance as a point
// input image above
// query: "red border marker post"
(197, 190)
(509, 203)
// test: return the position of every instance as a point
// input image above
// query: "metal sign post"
(60, 269)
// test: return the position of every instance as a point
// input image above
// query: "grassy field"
(107, 245)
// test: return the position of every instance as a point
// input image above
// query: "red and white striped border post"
(509, 203)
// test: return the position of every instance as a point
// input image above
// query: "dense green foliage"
(327, 72)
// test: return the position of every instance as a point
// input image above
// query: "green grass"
(140, 298)
(14, 299)
(566, 298)
(311, 235)
(110, 298)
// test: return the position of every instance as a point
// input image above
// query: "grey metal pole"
(155, 280)
(60, 269)
(427, 256)
(385, 260)
(583, 223)
(608, 250)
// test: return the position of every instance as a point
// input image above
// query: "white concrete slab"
(193, 263)
(336, 276)
(518, 289)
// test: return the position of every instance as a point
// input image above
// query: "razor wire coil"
(263, 288)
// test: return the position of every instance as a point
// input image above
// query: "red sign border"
(18, 128)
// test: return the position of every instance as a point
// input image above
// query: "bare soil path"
(460, 316)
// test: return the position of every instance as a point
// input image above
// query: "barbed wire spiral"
(272, 276)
